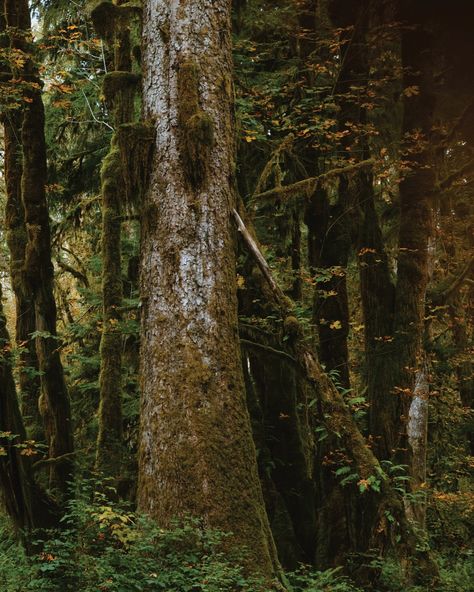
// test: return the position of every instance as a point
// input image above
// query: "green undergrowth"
(105, 547)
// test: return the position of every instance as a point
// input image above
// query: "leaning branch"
(307, 186)
(440, 295)
(447, 182)
(260, 260)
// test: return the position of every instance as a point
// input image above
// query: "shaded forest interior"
(236, 295)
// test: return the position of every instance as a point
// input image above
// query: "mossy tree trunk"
(38, 268)
(197, 455)
(25, 502)
(119, 90)
(29, 380)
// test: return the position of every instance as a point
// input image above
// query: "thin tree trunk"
(39, 273)
(119, 90)
(25, 502)
(196, 450)
(29, 379)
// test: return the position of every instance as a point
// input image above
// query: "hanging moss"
(135, 142)
(196, 125)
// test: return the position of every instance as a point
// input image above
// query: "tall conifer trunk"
(196, 450)
(393, 376)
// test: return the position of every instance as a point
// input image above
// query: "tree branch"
(307, 186)
(440, 294)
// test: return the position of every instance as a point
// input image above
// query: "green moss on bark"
(136, 143)
(119, 90)
(197, 135)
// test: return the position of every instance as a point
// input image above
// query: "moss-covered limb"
(136, 143)
(25, 502)
(439, 295)
(307, 186)
(109, 443)
(197, 128)
(29, 380)
(252, 245)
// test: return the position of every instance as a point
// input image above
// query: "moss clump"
(119, 90)
(292, 327)
(196, 125)
(200, 129)
(111, 171)
(107, 17)
(136, 142)
(103, 15)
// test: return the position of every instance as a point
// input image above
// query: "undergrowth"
(104, 547)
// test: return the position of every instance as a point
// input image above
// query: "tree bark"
(29, 379)
(25, 502)
(196, 450)
(38, 268)
(16, 239)
(119, 89)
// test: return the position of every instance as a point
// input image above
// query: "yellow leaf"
(335, 325)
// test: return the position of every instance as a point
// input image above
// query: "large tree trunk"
(196, 450)
(38, 268)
